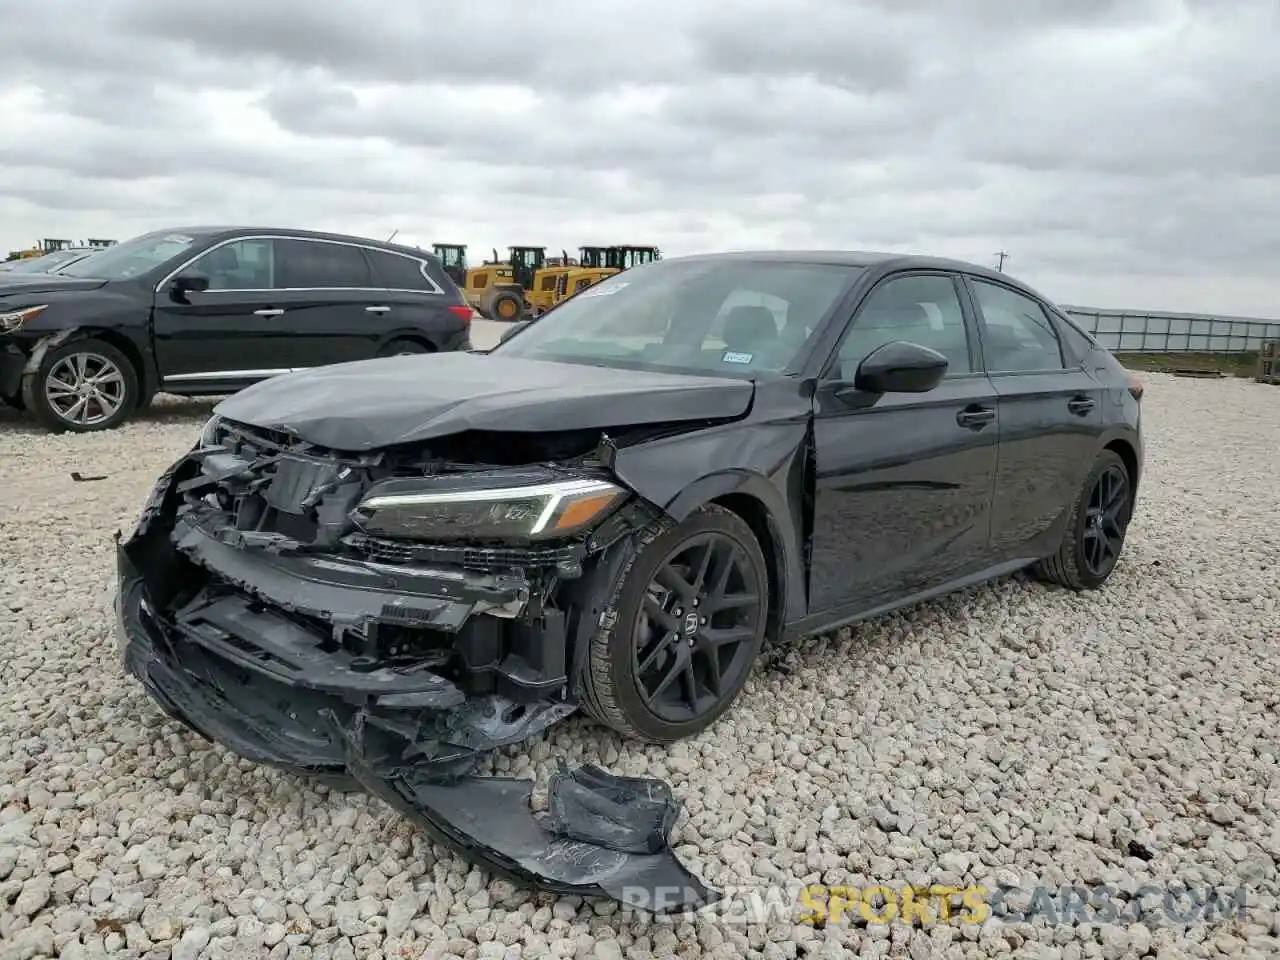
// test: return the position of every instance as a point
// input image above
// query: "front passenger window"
(241, 265)
(923, 309)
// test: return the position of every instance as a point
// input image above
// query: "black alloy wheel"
(685, 624)
(693, 636)
(1099, 522)
(1106, 519)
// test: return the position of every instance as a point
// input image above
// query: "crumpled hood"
(24, 284)
(375, 403)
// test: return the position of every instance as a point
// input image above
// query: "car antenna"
(393, 234)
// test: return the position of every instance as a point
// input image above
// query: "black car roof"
(859, 258)
(229, 231)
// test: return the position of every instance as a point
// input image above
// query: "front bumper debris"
(250, 657)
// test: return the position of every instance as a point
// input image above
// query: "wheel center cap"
(690, 624)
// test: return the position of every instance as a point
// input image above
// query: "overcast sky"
(1126, 153)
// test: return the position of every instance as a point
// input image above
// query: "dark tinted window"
(920, 309)
(1017, 335)
(397, 272)
(317, 263)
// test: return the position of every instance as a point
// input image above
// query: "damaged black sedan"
(378, 571)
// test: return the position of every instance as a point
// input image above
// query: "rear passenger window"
(923, 309)
(1017, 335)
(307, 264)
(397, 272)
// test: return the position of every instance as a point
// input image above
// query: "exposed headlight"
(209, 433)
(418, 509)
(11, 320)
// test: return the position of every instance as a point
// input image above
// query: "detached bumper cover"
(240, 672)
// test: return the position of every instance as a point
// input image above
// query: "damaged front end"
(390, 617)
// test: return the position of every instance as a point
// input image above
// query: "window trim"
(977, 367)
(969, 282)
(435, 290)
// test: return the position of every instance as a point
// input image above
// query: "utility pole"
(1001, 256)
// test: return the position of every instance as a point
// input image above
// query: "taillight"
(463, 311)
(1136, 388)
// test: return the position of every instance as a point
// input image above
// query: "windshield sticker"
(176, 238)
(731, 357)
(604, 289)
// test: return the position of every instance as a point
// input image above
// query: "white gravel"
(1009, 734)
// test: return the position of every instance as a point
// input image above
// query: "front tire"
(1095, 537)
(82, 386)
(683, 628)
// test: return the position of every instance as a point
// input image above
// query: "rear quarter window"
(399, 272)
(1076, 339)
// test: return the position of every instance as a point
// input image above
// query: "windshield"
(45, 263)
(713, 317)
(131, 258)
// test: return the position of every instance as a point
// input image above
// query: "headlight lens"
(209, 434)
(11, 320)
(514, 512)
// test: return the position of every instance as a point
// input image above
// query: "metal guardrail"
(1122, 330)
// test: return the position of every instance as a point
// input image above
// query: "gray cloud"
(1095, 140)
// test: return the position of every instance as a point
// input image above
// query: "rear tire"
(654, 635)
(403, 347)
(1100, 516)
(82, 386)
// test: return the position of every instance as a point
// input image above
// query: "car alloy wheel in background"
(82, 386)
(85, 389)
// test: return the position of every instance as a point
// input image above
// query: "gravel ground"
(1009, 734)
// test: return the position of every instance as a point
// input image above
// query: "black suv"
(209, 311)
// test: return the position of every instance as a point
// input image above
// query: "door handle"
(378, 309)
(1080, 406)
(274, 312)
(975, 417)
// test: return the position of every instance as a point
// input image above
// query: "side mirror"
(190, 282)
(900, 367)
(512, 330)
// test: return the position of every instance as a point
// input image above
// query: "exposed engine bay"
(389, 617)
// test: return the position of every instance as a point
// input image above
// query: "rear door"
(332, 302)
(419, 302)
(904, 481)
(1051, 416)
